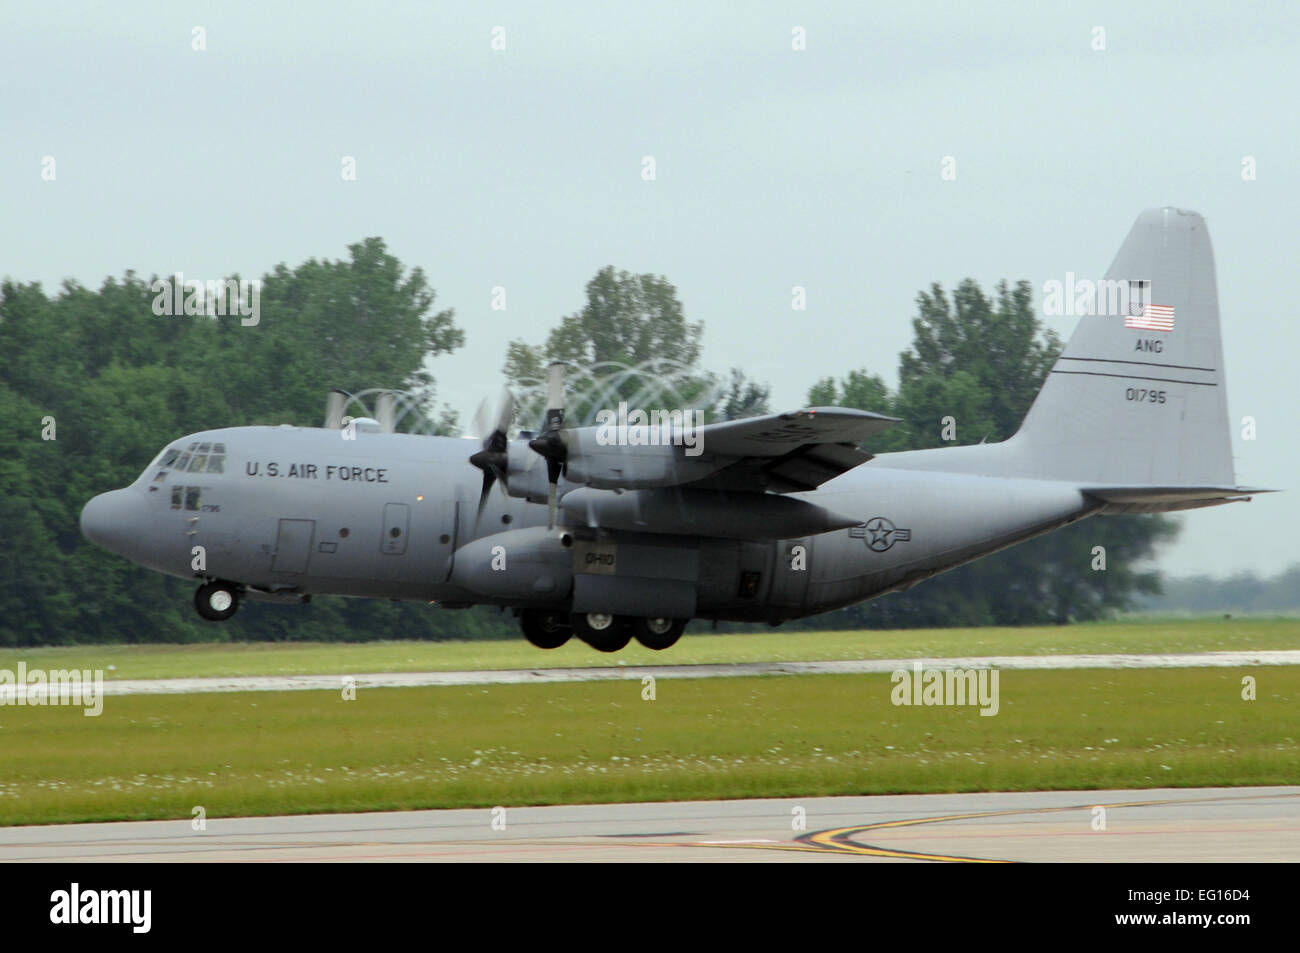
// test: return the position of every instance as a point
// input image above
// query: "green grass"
(298, 752)
(308, 658)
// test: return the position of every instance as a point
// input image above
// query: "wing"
(789, 452)
(779, 452)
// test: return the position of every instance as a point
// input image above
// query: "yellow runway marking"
(839, 840)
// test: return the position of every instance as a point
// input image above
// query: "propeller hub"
(490, 460)
(550, 445)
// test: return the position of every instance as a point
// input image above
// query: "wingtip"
(850, 412)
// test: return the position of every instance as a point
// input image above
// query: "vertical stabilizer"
(1137, 397)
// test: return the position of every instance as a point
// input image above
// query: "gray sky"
(775, 167)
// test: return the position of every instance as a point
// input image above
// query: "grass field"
(299, 752)
(299, 658)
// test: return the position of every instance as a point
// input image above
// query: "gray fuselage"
(300, 511)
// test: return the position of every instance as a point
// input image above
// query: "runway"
(279, 683)
(1179, 825)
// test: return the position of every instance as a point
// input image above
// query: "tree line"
(1243, 592)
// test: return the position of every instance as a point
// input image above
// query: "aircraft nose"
(109, 519)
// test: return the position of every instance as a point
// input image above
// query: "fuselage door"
(397, 521)
(293, 545)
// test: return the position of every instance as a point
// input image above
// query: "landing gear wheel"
(602, 631)
(216, 601)
(546, 630)
(658, 633)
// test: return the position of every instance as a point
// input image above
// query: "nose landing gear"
(216, 601)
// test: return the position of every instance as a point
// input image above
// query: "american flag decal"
(1154, 317)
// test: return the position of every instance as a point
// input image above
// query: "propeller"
(492, 459)
(550, 442)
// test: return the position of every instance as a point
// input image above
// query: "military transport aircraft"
(763, 519)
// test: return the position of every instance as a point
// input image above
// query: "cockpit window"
(200, 457)
(176, 496)
(203, 458)
(192, 497)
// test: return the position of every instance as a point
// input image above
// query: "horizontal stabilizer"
(1157, 499)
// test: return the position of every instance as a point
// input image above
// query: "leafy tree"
(635, 321)
(627, 318)
(353, 324)
(742, 398)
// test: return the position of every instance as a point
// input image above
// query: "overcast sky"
(775, 167)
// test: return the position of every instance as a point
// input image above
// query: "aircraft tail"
(1135, 406)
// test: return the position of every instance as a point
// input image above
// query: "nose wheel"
(216, 601)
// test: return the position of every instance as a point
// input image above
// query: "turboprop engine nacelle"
(529, 565)
(604, 466)
(525, 473)
(643, 457)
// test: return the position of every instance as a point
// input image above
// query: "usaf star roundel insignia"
(882, 534)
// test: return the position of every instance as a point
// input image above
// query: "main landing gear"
(603, 631)
(659, 633)
(216, 601)
(546, 630)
